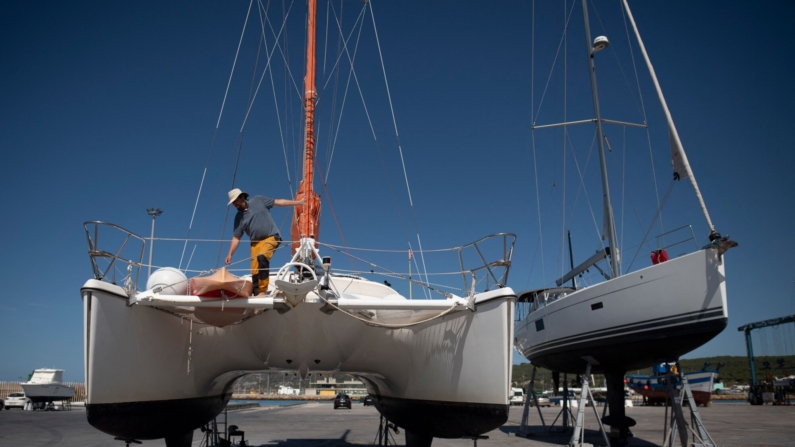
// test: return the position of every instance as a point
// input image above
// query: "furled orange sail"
(306, 220)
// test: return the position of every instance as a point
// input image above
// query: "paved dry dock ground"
(317, 424)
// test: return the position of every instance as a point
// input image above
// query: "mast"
(678, 157)
(306, 217)
(610, 225)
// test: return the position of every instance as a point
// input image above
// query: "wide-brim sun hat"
(234, 194)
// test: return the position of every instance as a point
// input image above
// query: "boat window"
(539, 325)
(531, 301)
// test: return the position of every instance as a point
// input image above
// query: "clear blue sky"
(109, 108)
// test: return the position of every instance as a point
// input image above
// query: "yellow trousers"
(260, 270)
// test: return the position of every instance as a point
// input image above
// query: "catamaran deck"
(315, 424)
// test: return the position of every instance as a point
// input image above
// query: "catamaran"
(161, 362)
(630, 320)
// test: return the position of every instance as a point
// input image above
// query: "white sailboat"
(635, 319)
(161, 362)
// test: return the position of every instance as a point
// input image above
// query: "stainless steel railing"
(114, 258)
(496, 270)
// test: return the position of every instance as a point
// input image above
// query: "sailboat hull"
(649, 316)
(143, 363)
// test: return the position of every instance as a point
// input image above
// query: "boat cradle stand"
(677, 397)
(567, 420)
(523, 427)
(578, 436)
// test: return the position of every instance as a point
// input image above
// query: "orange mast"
(306, 218)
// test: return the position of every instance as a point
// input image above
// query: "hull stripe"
(645, 326)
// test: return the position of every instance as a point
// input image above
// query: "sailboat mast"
(610, 226)
(305, 221)
(678, 156)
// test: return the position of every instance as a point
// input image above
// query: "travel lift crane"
(756, 389)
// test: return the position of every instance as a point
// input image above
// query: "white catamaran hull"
(649, 316)
(151, 374)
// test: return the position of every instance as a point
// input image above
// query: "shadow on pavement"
(298, 442)
(540, 434)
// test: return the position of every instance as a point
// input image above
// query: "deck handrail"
(490, 267)
(693, 238)
(94, 252)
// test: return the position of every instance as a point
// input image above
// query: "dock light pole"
(154, 213)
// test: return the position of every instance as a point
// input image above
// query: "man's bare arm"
(285, 202)
(232, 247)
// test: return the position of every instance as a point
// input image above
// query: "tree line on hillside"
(735, 371)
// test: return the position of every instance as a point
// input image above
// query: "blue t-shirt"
(256, 221)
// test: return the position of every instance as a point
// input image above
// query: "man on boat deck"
(254, 218)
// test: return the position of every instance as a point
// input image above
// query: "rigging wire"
(554, 61)
(424, 285)
(344, 48)
(659, 210)
(333, 213)
(565, 131)
(583, 188)
(348, 82)
(243, 126)
(264, 41)
(215, 133)
(251, 96)
(265, 70)
(397, 136)
(643, 110)
(334, 73)
(533, 135)
(623, 180)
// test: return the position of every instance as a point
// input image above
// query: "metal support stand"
(701, 437)
(523, 427)
(578, 436)
(382, 438)
(475, 439)
(212, 433)
(565, 411)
